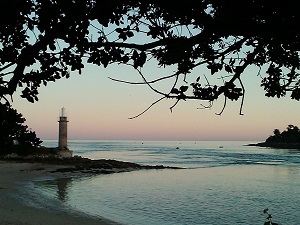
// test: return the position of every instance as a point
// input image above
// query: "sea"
(218, 183)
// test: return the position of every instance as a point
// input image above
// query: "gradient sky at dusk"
(98, 108)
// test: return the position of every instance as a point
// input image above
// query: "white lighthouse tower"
(63, 149)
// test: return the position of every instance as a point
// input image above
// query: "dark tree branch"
(149, 82)
(224, 106)
(206, 107)
(243, 96)
(148, 108)
(171, 108)
(146, 82)
(7, 66)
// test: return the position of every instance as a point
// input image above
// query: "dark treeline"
(290, 135)
(287, 139)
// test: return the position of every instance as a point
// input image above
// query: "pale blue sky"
(99, 108)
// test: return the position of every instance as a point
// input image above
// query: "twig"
(146, 82)
(243, 96)
(206, 107)
(224, 106)
(171, 108)
(8, 65)
(150, 82)
(147, 108)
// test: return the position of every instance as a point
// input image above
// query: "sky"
(98, 109)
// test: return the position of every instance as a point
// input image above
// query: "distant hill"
(289, 139)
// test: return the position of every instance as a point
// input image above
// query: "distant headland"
(287, 139)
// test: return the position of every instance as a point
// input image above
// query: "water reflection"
(61, 186)
(175, 197)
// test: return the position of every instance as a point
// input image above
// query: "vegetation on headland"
(15, 136)
(289, 138)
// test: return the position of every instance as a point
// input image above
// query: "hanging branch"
(146, 82)
(150, 82)
(207, 107)
(224, 106)
(176, 80)
(171, 108)
(148, 108)
(243, 96)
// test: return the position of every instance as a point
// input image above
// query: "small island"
(287, 139)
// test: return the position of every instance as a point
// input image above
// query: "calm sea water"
(223, 183)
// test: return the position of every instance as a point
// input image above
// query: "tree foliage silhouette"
(14, 134)
(43, 41)
(290, 135)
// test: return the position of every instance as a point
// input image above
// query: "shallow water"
(228, 185)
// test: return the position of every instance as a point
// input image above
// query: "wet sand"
(14, 211)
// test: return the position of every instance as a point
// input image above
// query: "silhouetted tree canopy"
(14, 135)
(42, 41)
(287, 139)
(290, 135)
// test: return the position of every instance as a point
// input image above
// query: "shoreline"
(13, 209)
(277, 145)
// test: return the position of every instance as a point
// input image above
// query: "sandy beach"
(13, 211)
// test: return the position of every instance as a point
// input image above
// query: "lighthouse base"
(64, 153)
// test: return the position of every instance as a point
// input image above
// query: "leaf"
(135, 54)
(184, 88)
(123, 36)
(213, 68)
(228, 69)
(52, 46)
(296, 94)
(125, 59)
(30, 99)
(231, 61)
(30, 25)
(175, 91)
(129, 34)
(142, 59)
(119, 30)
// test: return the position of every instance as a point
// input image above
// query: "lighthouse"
(63, 149)
(63, 130)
